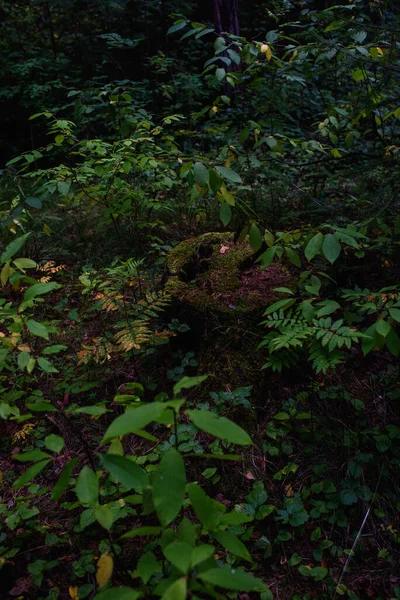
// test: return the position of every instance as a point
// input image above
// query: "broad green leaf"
(229, 174)
(267, 257)
(46, 365)
(368, 343)
(176, 27)
(31, 456)
(95, 411)
(220, 74)
(122, 593)
(55, 349)
(255, 238)
(331, 248)
(221, 427)
(395, 314)
(125, 471)
(229, 578)
(188, 382)
(37, 329)
(383, 327)
(134, 419)
(202, 553)
(13, 248)
(225, 213)
(104, 516)
(54, 443)
(24, 263)
(38, 289)
(215, 180)
(148, 566)
(234, 56)
(179, 554)
(329, 307)
(23, 359)
(63, 480)
(169, 481)
(87, 487)
(187, 532)
(30, 474)
(232, 544)
(176, 591)
(319, 573)
(201, 174)
(144, 531)
(293, 257)
(33, 202)
(392, 341)
(208, 511)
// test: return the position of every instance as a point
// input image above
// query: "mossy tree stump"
(222, 295)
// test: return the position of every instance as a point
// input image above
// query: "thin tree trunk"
(226, 16)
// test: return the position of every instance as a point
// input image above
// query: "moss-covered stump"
(222, 295)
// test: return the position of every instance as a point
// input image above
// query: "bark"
(226, 16)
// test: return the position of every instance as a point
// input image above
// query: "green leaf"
(142, 532)
(285, 303)
(63, 480)
(134, 419)
(38, 289)
(368, 343)
(176, 27)
(33, 202)
(215, 180)
(383, 327)
(225, 213)
(54, 443)
(24, 263)
(29, 474)
(23, 359)
(176, 591)
(179, 554)
(232, 544)
(255, 238)
(122, 593)
(148, 566)
(188, 382)
(319, 573)
(220, 74)
(169, 481)
(202, 553)
(37, 329)
(13, 248)
(234, 56)
(208, 511)
(46, 365)
(393, 342)
(229, 578)
(201, 174)
(125, 471)
(331, 248)
(31, 456)
(293, 257)
(329, 307)
(87, 487)
(395, 314)
(221, 427)
(54, 349)
(229, 174)
(104, 516)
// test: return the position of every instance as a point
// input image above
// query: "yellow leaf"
(214, 109)
(265, 49)
(105, 566)
(73, 592)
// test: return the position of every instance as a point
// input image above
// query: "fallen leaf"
(105, 566)
(224, 249)
(73, 592)
(250, 475)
